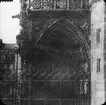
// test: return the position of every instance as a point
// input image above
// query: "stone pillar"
(105, 48)
(97, 53)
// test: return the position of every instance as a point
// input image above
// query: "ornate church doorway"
(62, 67)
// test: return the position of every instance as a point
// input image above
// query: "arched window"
(3, 57)
(9, 57)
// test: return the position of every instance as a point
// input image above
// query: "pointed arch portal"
(62, 66)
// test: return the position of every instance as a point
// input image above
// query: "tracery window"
(61, 4)
(35, 4)
(48, 4)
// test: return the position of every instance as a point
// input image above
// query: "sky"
(9, 27)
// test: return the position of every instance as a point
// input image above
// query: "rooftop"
(9, 46)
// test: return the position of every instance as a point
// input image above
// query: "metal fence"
(56, 86)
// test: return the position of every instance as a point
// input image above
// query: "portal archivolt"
(62, 72)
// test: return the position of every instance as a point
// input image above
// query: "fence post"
(30, 83)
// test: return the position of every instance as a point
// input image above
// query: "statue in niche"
(61, 4)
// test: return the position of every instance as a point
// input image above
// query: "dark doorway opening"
(61, 74)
